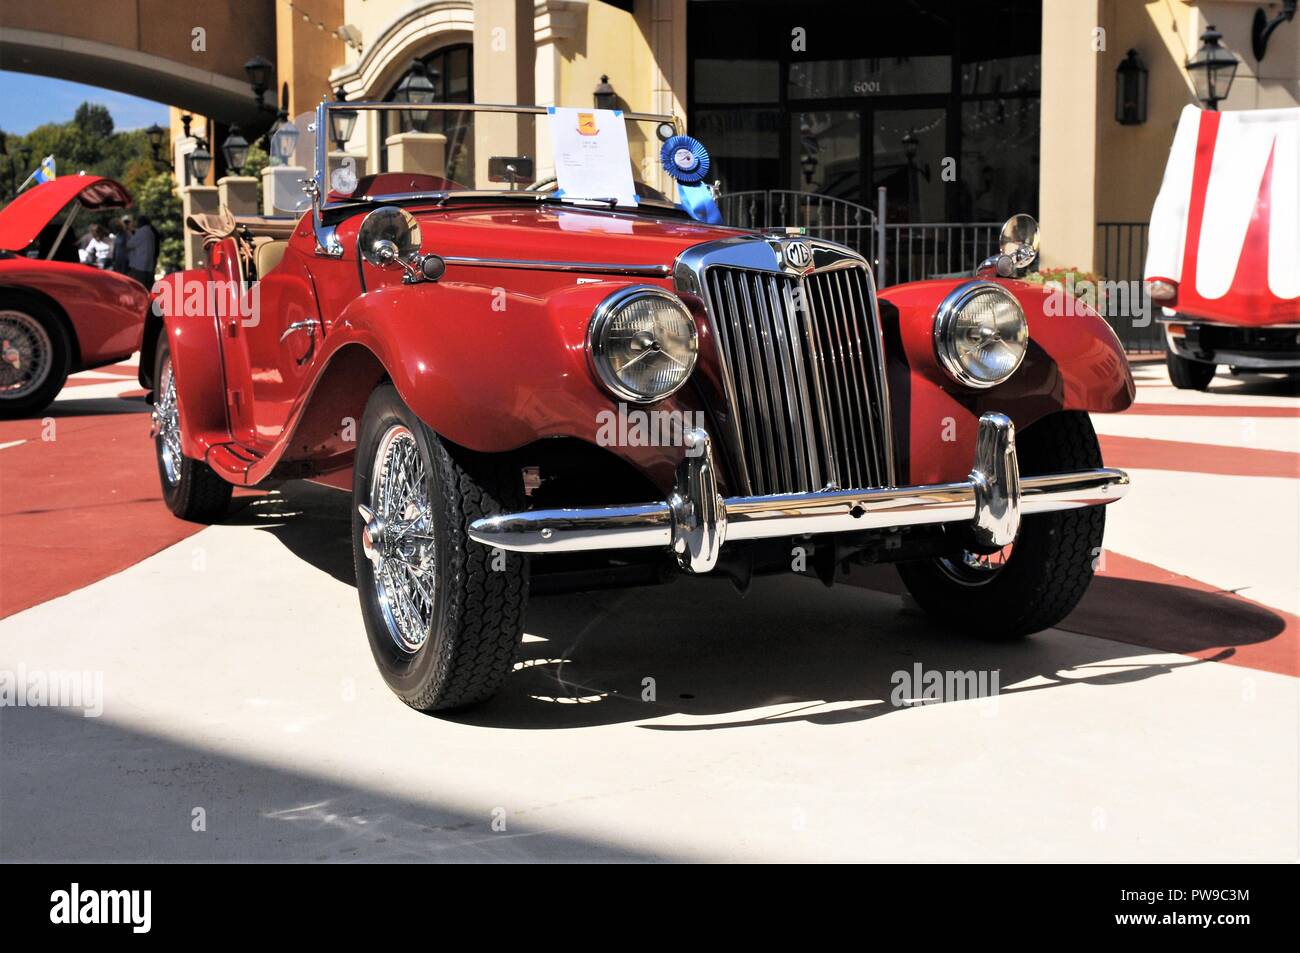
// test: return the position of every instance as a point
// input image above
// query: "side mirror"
(1017, 249)
(391, 236)
(1019, 241)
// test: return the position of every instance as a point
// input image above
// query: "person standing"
(99, 249)
(142, 252)
(119, 245)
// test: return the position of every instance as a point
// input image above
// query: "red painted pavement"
(78, 508)
(1209, 410)
(1147, 454)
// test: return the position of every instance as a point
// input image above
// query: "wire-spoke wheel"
(167, 426)
(35, 356)
(443, 613)
(398, 538)
(191, 489)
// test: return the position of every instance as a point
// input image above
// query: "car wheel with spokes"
(35, 356)
(191, 489)
(443, 614)
(1036, 581)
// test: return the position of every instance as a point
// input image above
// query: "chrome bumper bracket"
(695, 521)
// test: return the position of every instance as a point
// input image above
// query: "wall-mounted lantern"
(155, 135)
(1131, 91)
(258, 70)
(1212, 68)
(603, 95)
(342, 122)
(418, 88)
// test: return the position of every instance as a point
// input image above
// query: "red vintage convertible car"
(513, 382)
(58, 316)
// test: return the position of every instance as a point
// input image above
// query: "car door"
(282, 336)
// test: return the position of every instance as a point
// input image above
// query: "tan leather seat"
(268, 252)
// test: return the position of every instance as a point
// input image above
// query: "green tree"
(94, 120)
(156, 197)
(258, 159)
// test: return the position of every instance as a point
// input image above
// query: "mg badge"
(798, 255)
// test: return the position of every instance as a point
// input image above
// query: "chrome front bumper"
(695, 521)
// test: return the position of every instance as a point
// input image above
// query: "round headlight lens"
(642, 343)
(980, 334)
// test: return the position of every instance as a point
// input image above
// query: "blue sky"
(27, 101)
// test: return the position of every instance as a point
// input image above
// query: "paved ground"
(1158, 723)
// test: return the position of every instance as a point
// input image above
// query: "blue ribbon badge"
(687, 161)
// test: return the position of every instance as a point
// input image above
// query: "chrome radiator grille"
(809, 401)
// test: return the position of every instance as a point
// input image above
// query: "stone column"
(503, 73)
(424, 152)
(282, 192)
(238, 193)
(197, 199)
(337, 160)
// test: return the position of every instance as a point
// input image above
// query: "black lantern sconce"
(1212, 68)
(258, 70)
(155, 135)
(603, 95)
(419, 88)
(235, 150)
(199, 163)
(342, 122)
(1262, 27)
(1131, 91)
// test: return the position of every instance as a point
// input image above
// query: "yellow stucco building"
(962, 112)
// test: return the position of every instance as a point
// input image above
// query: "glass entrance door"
(908, 149)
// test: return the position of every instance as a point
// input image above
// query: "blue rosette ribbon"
(687, 161)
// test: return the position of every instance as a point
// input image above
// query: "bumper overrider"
(695, 521)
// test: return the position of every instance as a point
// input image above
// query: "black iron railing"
(1123, 248)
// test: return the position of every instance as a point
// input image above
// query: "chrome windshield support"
(695, 521)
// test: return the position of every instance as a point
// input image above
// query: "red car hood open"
(23, 218)
(557, 233)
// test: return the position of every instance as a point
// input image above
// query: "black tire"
(31, 317)
(191, 489)
(1051, 562)
(1187, 374)
(467, 648)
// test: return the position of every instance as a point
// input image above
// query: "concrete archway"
(142, 50)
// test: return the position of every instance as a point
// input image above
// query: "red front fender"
(1074, 362)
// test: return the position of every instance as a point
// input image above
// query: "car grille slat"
(803, 368)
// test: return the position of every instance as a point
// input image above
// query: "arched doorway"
(450, 71)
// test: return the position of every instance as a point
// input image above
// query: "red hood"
(552, 233)
(23, 218)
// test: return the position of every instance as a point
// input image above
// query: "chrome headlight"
(642, 343)
(980, 334)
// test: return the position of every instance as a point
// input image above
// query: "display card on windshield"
(592, 160)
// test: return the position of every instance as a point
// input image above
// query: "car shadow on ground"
(79, 789)
(789, 649)
(93, 407)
